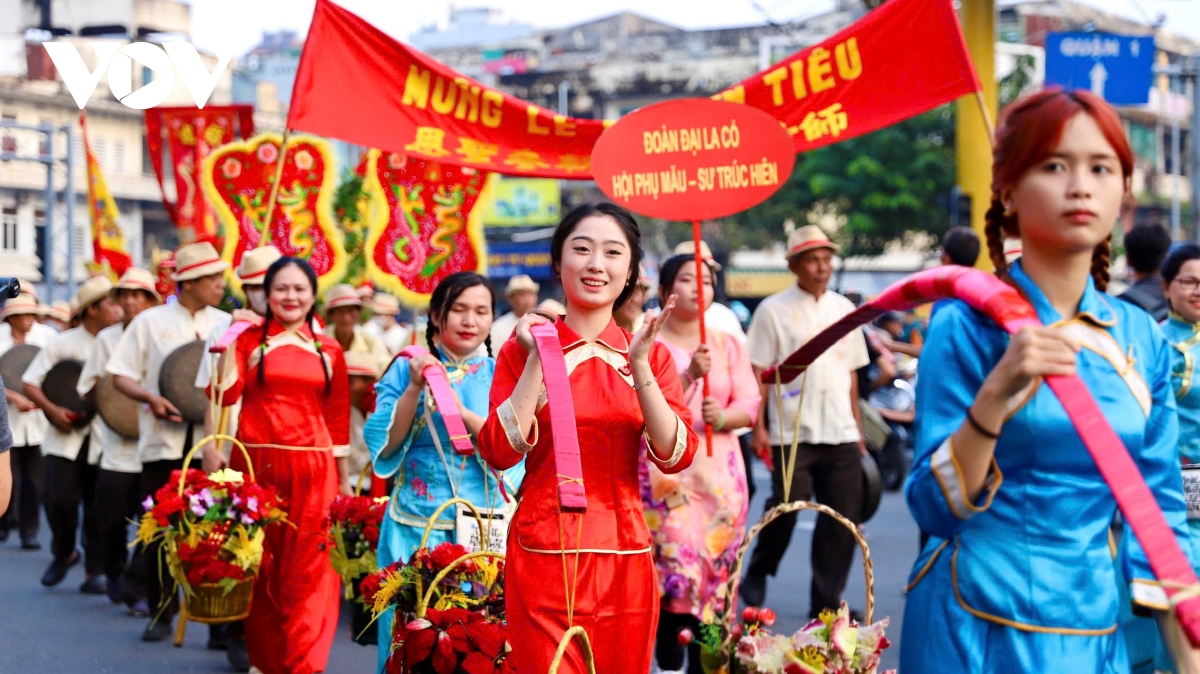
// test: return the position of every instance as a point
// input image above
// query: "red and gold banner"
(902, 59)
(423, 223)
(109, 256)
(237, 179)
(191, 134)
(358, 84)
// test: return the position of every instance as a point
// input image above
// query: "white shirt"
(117, 452)
(148, 340)
(359, 454)
(783, 323)
(720, 317)
(28, 428)
(502, 329)
(73, 344)
(395, 339)
(363, 342)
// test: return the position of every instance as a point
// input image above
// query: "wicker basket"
(209, 603)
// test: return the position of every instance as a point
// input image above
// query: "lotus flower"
(227, 476)
(842, 636)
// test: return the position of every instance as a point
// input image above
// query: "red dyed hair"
(1029, 131)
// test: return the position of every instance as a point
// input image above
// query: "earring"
(1008, 211)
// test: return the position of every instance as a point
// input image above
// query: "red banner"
(357, 84)
(191, 133)
(109, 256)
(423, 225)
(692, 159)
(902, 59)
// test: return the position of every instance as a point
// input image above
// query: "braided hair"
(1029, 131)
(444, 296)
(303, 266)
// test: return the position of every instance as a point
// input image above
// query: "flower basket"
(832, 643)
(352, 537)
(212, 528)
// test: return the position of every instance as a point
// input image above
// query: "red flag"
(898, 61)
(357, 84)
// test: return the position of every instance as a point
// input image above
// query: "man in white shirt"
(830, 443)
(343, 310)
(384, 326)
(71, 455)
(26, 422)
(522, 296)
(118, 485)
(163, 434)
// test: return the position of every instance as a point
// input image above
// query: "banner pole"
(708, 432)
(264, 235)
(987, 117)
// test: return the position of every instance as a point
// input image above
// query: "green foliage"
(881, 187)
(1013, 84)
(348, 204)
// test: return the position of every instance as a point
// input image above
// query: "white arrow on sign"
(1099, 75)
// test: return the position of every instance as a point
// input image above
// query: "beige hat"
(91, 291)
(138, 279)
(342, 295)
(197, 260)
(28, 289)
(385, 304)
(809, 237)
(520, 283)
(253, 269)
(366, 291)
(689, 248)
(1012, 249)
(19, 305)
(60, 311)
(362, 364)
(553, 306)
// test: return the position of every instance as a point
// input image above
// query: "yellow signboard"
(523, 202)
(746, 283)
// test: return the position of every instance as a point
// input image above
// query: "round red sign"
(693, 159)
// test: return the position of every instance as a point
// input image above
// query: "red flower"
(445, 660)
(445, 554)
(419, 642)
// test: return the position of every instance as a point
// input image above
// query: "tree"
(881, 186)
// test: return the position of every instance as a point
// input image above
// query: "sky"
(213, 30)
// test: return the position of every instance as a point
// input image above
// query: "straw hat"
(362, 364)
(253, 269)
(138, 279)
(342, 295)
(553, 306)
(689, 248)
(520, 283)
(809, 237)
(197, 260)
(365, 291)
(60, 311)
(93, 290)
(19, 305)
(385, 304)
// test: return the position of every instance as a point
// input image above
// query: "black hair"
(889, 317)
(1146, 246)
(628, 225)
(444, 296)
(671, 268)
(1184, 252)
(288, 261)
(961, 245)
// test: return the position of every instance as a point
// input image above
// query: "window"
(8, 138)
(8, 229)
(45, 140)
(39, 237)
(99, 146)
(118, 156)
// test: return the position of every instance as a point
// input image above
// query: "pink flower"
(231, 168)
(304, 160)
(268, 153)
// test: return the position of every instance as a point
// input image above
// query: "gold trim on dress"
(597, 551)
(507, 415)
(928, 565)
(949, 477)
(1025, 627)
(676, 452)
(267, 445)
(1103, 344)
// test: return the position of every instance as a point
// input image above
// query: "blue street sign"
(1115, 67)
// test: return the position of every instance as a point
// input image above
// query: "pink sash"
(565, 435)
(1003, 304)
(231, 334)
(444, 397)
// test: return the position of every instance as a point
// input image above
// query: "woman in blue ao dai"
(1019, 574)
(400, 433)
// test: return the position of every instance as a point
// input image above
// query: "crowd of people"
(1016, 570)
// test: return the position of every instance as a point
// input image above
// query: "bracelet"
(979, 427)
(642, 386)
(720, 420)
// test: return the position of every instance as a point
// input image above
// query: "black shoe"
(94, 585)
(754, 589)
(58, 569)
(239, 656)
(30, 544)
(218, 636)
(4, 534)
(157, 630)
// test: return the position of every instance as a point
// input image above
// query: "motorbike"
(888, 420)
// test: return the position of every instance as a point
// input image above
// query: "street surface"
(61, 631)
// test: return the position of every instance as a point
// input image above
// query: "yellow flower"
(227, 475)
(382, 499)
(718, 540)
(147, 529)
(653, 519)
(387, 590)
(247, 552)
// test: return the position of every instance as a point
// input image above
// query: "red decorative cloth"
(616, 592)
(290, 424)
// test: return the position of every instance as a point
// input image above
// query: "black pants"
(747, 458)
(834, 474)
(148, 568)
(68, 484)
(667, 650)
(118, 497)
(23, 512)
